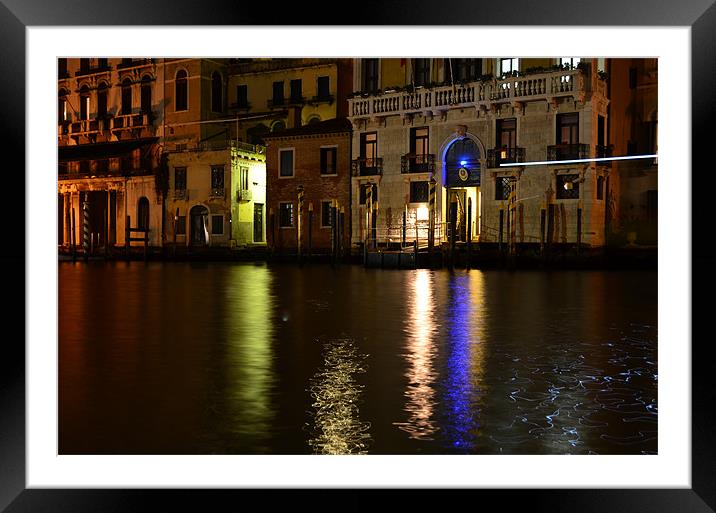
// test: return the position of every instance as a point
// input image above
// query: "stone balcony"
(548, 86)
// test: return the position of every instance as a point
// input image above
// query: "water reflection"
(249, 354)
(421, 329)
(463, 383)
(337, 427)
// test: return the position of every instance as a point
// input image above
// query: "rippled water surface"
(241, 358)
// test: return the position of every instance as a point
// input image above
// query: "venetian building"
(471, 125)
(216, 183)
(271, 95)
(109, 154)
(633, 130)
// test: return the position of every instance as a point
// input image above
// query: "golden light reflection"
(250, 353)
(420, 328)
(336, 396)
(478, 321)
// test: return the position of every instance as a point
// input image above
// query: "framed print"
(73, 440)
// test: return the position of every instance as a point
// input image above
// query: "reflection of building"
(270, 95)
(470, 123)
(109, 128)
(315, 159)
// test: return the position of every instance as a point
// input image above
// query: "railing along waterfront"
(542, 86)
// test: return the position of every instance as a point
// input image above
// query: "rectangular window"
(419, 139)
(242, 96)
(507, 133)
(507, 66)
(462, 69)
(323, 87)
(370, 75)
(278, 93)
(363, 193)
(567, 186)
(180, 178)
(419, 192)
(328, 161)
(61, 68)
(326, 213)
(600, 187)
(217, 225)
(217, 180)
(568, 128)
(244, 178)
(369, 147)
(285, 215)
(181, 225)
(285, 163)
(571, 61)
(296, 91)
(421, 72)
(503, 187)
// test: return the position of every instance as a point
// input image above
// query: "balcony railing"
(276, 102)
(603, 152)
(128, 121)
(497, 156)
(541, 86)
(367, 166)
(244, 195)
(412, 163)
(134, 63)
(90, 71)
(217, 192)
(180, 194)
(567, 151)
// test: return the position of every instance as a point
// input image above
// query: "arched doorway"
(199, 216)
(461, 175)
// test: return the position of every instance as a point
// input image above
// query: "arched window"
(216, 92)
(126, 96)
(180, 91)
(102, 100)
(84, 102)
(314, 120)
(278, 126)
(143, 213)
(62, 106)
(146, 94)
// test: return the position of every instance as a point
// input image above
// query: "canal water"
(241, 358)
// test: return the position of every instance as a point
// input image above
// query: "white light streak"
(576, 161)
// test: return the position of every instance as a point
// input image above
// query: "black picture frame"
(16, 15)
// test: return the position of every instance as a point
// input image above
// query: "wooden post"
(542, 215)
(415, 249)
(146, 243)
(579, 228)
(300, 222)
(333, 231)
(502, 220)
(85, 227)
(431, 217)
(127, 234)
(469, 231)
(405, 227)
(74, 235)
(375, 225)
(369, 211)
(105, 227)
(272, 229)
(550, 226)
(174, 245)
(310, 228)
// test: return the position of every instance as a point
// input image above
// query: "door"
(458, 214)
(258, 222)
(199, 220)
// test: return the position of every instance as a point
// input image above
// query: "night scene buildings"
(241, 153)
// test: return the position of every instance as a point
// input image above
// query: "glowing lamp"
(463, 162)
(503, 154)
(568, 186)
(422, 213)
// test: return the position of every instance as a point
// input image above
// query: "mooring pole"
(126, 237)
(502, 220)
(375, 224)
(405, 227)
(174, 245)
(85, 227)
(299, 189)
(469, 231)
(579, 228)
(341, 234)
(74, 236)
(310, 228)
(542, 215)
(431, 217)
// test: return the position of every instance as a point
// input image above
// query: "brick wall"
(317, 188)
